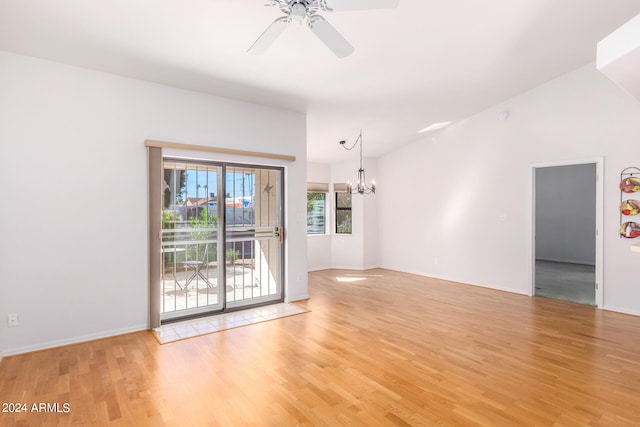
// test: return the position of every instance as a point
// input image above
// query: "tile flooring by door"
(206, 325)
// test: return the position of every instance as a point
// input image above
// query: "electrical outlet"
(435, 261)
(12, 320)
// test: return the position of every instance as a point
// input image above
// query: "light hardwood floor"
(378, 348)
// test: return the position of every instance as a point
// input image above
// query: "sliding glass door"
(221, 237)
(253, 235)
(191, 232)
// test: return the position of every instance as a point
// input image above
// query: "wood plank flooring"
(379, 348)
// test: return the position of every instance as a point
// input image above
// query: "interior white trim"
(490, 286)
(221, 150)
(599, 162)
(74, 340)
(326, 267)
(294, 298)
(621, 310)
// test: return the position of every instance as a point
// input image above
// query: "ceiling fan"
(306, 11)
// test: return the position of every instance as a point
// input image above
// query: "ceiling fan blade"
(269, 36)
(330, 36)
(361, 4)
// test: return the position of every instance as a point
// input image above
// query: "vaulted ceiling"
(425, 61)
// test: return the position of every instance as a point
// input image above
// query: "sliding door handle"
(279, 232)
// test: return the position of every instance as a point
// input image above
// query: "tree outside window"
(316, 213)
(343, 213)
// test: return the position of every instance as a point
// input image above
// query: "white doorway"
(566, 222)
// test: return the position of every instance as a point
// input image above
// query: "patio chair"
(196, 267)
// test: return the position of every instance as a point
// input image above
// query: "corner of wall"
(319, 268)
(301, 297)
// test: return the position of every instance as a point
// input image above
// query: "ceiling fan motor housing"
(298, 11)
(306, 10)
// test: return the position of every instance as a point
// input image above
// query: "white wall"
(319, 245)
(457, 184)
(73, 259)
(619, 56)
(357, 250)
(565, 213)
(370, 218)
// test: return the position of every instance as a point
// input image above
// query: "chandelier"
(361, 186)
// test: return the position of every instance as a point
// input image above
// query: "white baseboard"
(74, 340)
(295, 298)
(463, 282)
(621, 310)
(348, 267)
(484, 285)
(318, 268)
(505, 289)
(342, 268)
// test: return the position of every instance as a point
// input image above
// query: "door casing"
(599, 259)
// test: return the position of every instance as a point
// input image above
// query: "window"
(343, 213)
(316, 212)
(317, 207)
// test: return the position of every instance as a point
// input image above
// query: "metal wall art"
(629, 206)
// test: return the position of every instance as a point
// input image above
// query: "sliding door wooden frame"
(155, 157)
(154, 197)
(165, 144)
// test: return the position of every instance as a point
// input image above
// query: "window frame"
(325, 217)
(348, 209)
